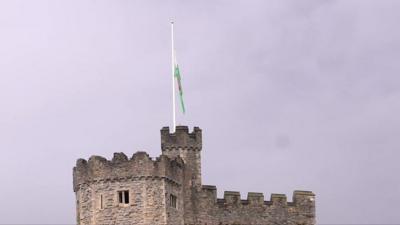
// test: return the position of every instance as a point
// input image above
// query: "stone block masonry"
(168, 191)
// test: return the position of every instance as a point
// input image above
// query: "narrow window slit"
(172, 201)
(101, 202)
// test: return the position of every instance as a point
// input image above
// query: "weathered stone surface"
(176, 172)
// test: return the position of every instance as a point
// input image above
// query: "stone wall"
(232, 210)
(175, 215)
(149, 182)
(176, 172)
(186, 146)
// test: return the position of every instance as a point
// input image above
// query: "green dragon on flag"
(177, 75)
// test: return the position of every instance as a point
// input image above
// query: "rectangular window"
(172, 201)
(126, 194)
(123, 197)
(120, 196)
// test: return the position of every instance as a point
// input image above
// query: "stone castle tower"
(168, 191)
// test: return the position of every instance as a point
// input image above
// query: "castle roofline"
(181, 138)
(140, 165)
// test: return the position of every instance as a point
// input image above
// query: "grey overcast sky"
(289, 94)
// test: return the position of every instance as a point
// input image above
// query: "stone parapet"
(181, 138)
(255, 209)
(301, 199)
(139, 166)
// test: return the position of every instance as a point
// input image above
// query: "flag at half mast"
(178, 78)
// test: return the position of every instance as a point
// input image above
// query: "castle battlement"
(168, 190)
(139, 166)
(181, 138)
(256, 199)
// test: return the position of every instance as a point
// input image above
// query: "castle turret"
(139, 190)
(187, 146)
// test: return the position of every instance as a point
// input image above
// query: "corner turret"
(186, 145)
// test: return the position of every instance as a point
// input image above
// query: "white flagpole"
(173, 77)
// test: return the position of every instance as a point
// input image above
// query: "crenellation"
(81, 162)
(120, 168)
(304, 202)
(181, 138)
(140, 155)
(232, 198)
(80, 173)
(255, 198)
(167, 190)
(279, 199)
(119, 157)
(209, 194)
(301, 195)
